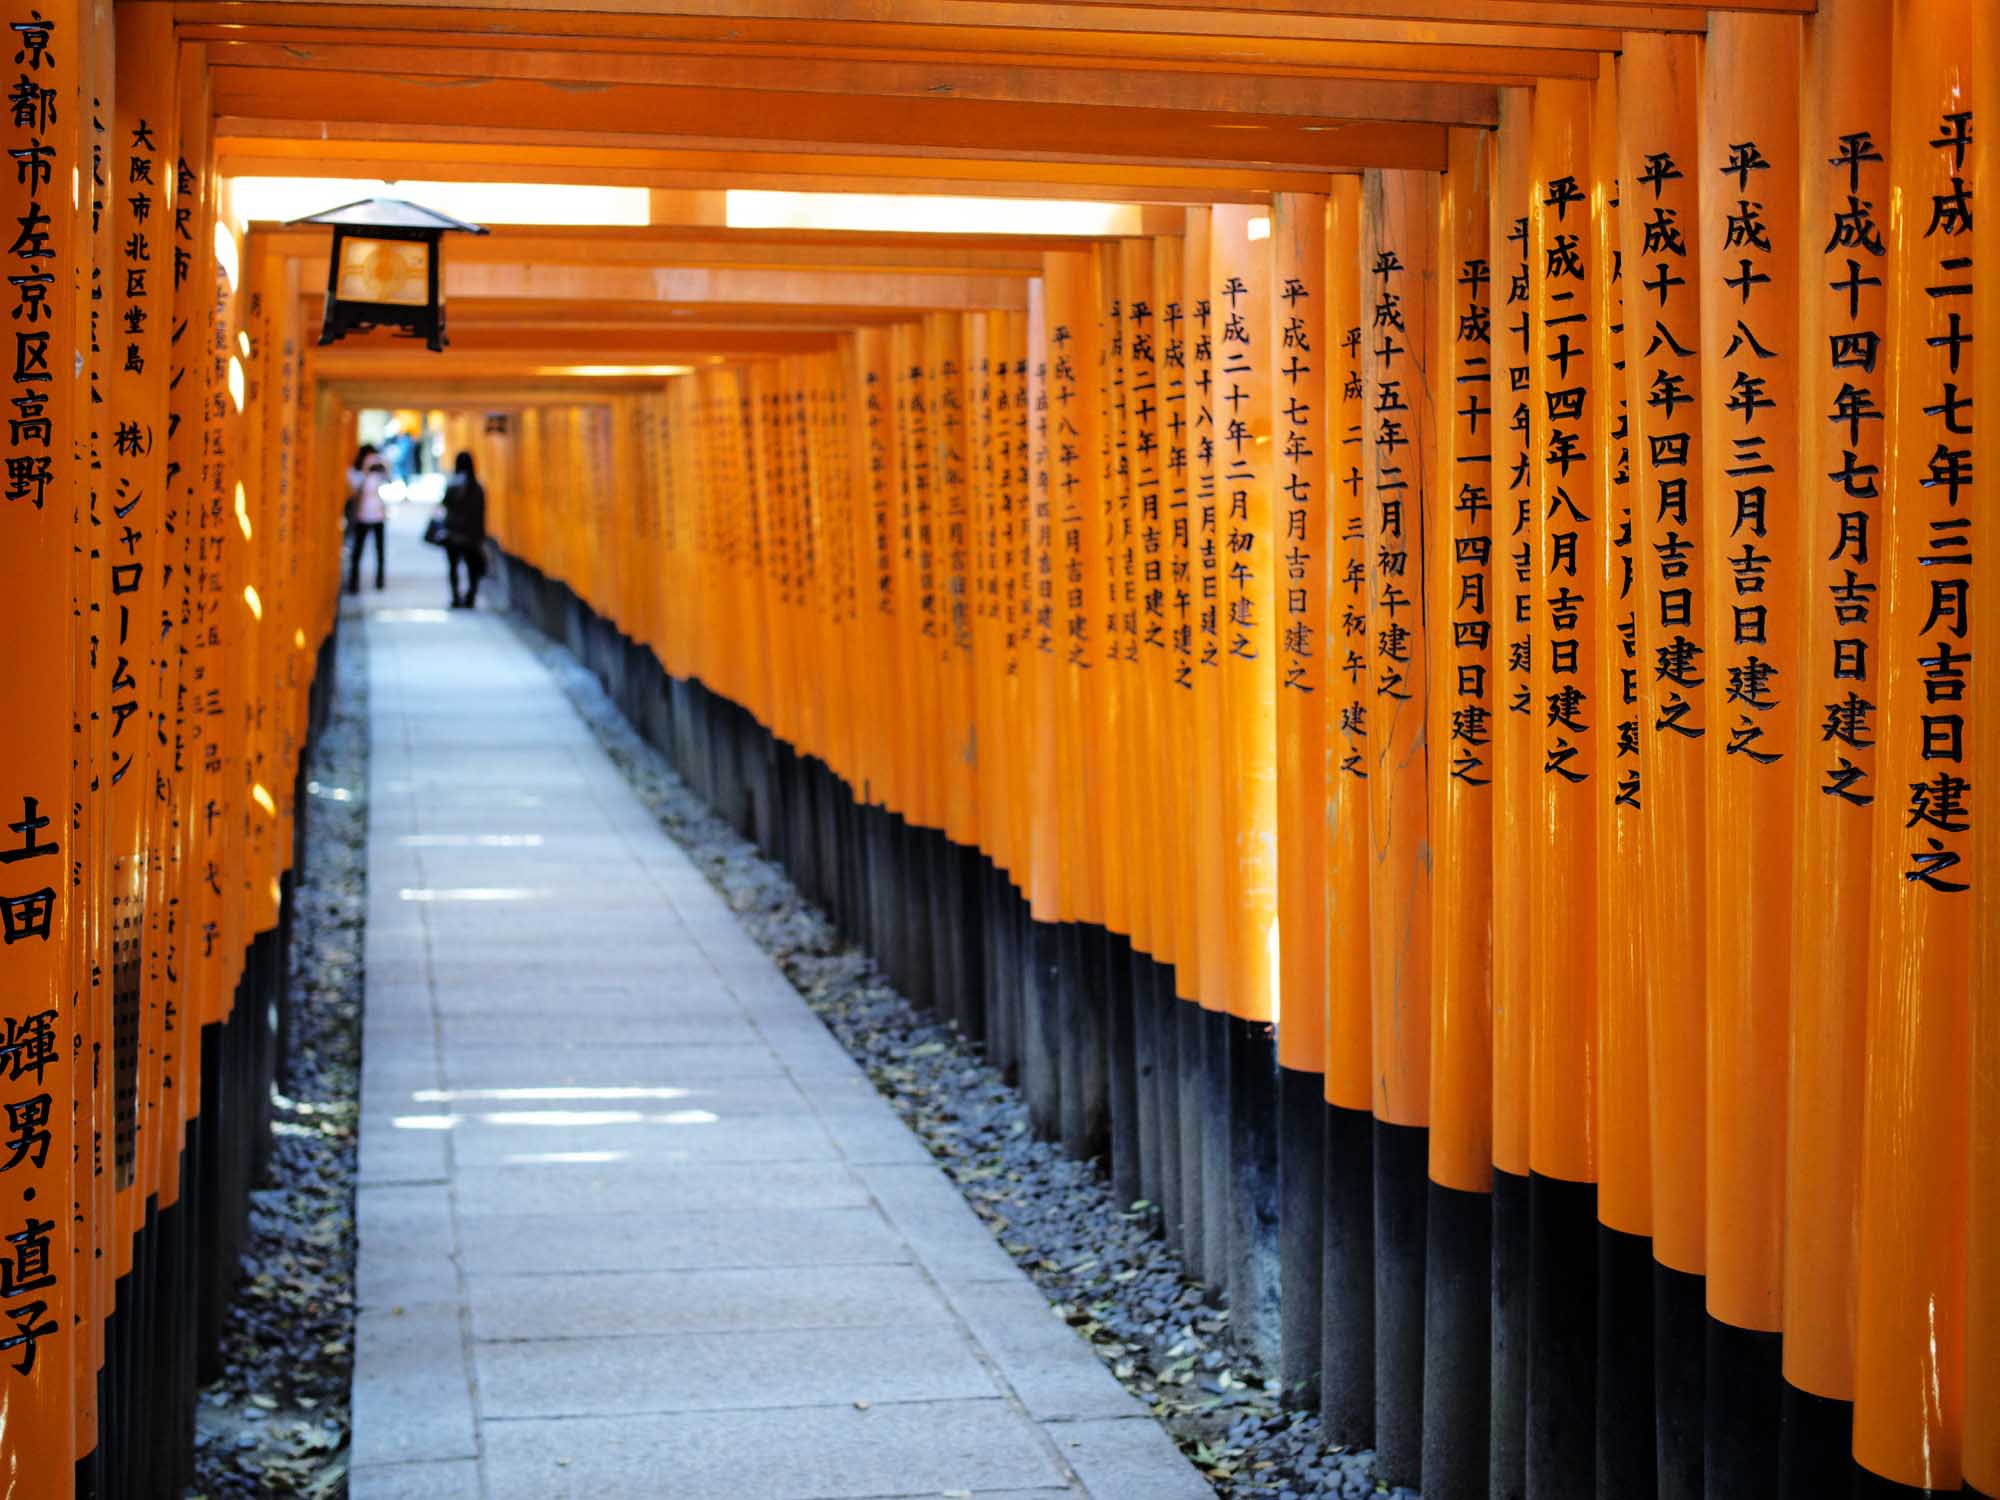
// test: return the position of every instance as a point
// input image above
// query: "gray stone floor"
(631, 1222)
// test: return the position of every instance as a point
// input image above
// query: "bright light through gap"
(915, 213)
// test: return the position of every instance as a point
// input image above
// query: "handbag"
(434, 532)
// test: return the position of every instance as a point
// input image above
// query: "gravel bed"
(276, 1421)
(1102, 1266)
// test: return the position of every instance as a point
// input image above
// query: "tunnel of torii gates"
(1425, 704)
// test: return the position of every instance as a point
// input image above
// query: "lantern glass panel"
(395, 272)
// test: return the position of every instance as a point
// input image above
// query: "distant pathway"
(632, 1224)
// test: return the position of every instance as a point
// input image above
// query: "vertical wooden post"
(1347, 1280)
(1749, 185)
(1457, 580)
(1982, 1293)
(1909, 1408)
(1399, 305)
(1571, 728)
(1843, 152)
(42, 1015)
(1298, 351)
(1239, 299)
(1659, 218)
(1516, 785)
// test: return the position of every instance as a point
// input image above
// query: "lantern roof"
(388, 213)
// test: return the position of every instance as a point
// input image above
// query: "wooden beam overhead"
(1079, 27)
(252, 164)
(743, 250)
(288, 148)
(1207, 90)
(736, 119)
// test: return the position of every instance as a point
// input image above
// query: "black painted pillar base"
(1167, 1098)
(1627, 1456)
(1003, 980)
(1042, 1029)
(1086, 1103)
(1121, 1067)
(946, 986)
(1745, 1395)
(968, 884)
(1402, 1183)
(1347, 1279)
(1562, 1338)
(1680, 1380)
(920, 972)
(1217, 1190)
(1141, 996)
(1815, 1445)
(1458, 1305)
(1192, 1115)
(1301, 1230)
(1254, 1257)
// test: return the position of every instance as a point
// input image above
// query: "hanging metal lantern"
(386, 270)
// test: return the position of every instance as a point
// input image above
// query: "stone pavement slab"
(631, 1222)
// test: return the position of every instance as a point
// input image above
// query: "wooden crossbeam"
(720, 249)
(291, 149)
(735, 119)
(1208, 90)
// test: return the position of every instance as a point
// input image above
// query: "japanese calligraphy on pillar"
(1208, 543)
(1470, 436)
(1115, 694)
(1241, 256)
(1173, 367)
(1565, 432)
(1661, 278)
(1923, 1350)
(1299, 394)
(1753, 518)
(1400, 299)
(1457, 577)
(1299, 356)
(1663, 210)
(1937, 804)
(1844, 197)
(1748, 179)
(1067, 459)
(140, 170)
(1347, 541)
(1515, 759)
(1244, 545)
(881, 515)
(1041, 604)
(1619, 675)
(1349, 994)
(1562, 455)
(1855, 177)
(38, 1016)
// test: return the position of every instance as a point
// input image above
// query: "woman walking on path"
(365, 512)
(464, 531)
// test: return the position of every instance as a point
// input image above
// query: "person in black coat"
(465, 531)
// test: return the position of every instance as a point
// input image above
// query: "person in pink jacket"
(366, 514)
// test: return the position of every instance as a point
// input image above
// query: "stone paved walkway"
(632, 1224)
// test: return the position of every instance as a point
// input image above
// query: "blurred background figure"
(464, 531)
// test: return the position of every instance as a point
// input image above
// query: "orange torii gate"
(1424, 703)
